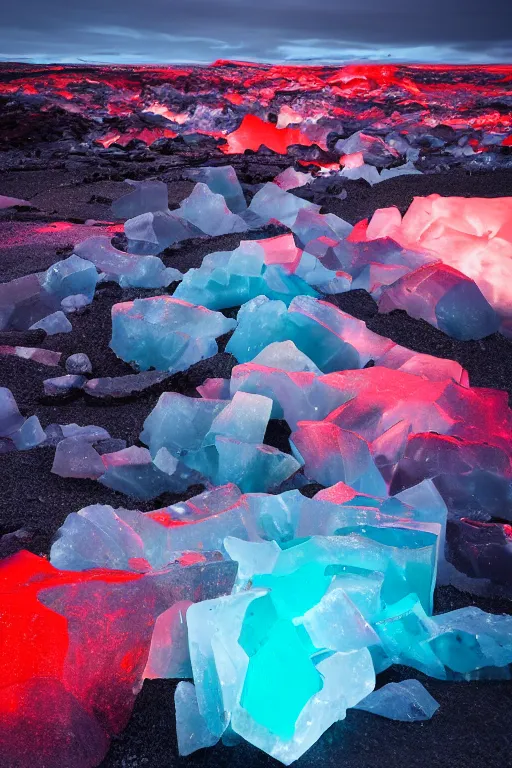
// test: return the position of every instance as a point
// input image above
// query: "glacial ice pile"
(331, 338)
(165, 333)
(221, 440)
(230, 278)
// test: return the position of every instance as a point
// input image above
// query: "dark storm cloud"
(203, 30)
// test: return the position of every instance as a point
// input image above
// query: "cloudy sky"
(166, 31)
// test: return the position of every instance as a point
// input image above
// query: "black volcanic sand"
(471, 729)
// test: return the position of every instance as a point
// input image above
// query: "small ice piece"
(208, 211)
(223, 181)
(152, 233)
(291, 179)
(78, 363)
(57, 322)
(285, 356)
(191, 727)
(408, 701)
(165, 333)
(366, 172)
(10, 417)
(42, 356)
(146, 197)
(272, 202)
(374, 150)
(75, 457)
(62, 385)
(399, 170)
(124, 386)
(70, 277)
(29, 434)
(169, 656)
(74, 303)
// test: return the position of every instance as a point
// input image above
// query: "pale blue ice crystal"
(165, 333)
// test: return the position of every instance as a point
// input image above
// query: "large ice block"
(165, 333)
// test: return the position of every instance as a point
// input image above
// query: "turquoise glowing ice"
(165, 333)
(221, 440)
(332, 339)
(70, 277)
(230, 278)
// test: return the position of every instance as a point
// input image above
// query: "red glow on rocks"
(255, 132)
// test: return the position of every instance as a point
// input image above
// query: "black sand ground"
(471, 729)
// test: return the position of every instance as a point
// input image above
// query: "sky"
(167, 31)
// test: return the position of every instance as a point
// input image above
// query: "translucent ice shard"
(75, 457)
(191, 727)
(132, 471)
(408, 701)
(71, 276)
(223, 181)
(151, 233)
(209, 212)
(130, 270)
(10, 417)
(332, 339)
(57, 322)
(29, 435)
(331, 454)
(291, 179)
(272, 202)
(165, 333)
(375, 151)
(446, 299)
(146, 197)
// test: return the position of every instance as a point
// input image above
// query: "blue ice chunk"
(208, 211)
(332, 339)
(152, 233)
(271, 202)
(75, 457)
(91, 432)
(29, 434)
(408, 701)
(191, 727)
(70, 277)
(57, 322)
(10, 417)
(146, 196)
(222, 440)
(228, 279)
(165, 333)
(223, 181)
